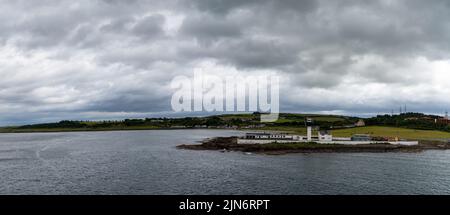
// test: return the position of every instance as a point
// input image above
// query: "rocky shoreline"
(230, 144)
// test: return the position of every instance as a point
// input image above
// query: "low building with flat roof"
(361, 137)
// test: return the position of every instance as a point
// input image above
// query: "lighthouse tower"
(309, 124)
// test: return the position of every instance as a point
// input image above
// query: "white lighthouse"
(309, 123)
(309, 133)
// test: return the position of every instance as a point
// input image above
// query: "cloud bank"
(104, 59)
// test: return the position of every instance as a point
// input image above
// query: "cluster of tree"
(411, 120)
(61, 124)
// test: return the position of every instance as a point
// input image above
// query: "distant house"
(360, 123)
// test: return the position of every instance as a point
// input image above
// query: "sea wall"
(253, 141)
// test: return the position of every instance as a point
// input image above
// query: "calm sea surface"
(147, 162)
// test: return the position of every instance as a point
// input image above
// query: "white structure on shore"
(323, 137)
(308, 124)
(309, 133)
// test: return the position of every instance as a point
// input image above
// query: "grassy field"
(328, 118)
(392, 132)
(293, 130)
(300, 118)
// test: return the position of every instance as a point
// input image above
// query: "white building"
(325, 136)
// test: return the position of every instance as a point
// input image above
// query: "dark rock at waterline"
(230, 143)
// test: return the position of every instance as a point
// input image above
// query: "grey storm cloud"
(112, 58)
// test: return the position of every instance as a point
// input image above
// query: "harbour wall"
(267, 141)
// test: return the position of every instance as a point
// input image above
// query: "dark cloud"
(149, 26)
(223, 7)
(207, 28)
(245, 53)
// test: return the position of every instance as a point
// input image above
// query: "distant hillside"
(220, 121)
(287, 122)
(290, 119)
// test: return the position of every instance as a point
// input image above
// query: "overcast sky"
(105, 59)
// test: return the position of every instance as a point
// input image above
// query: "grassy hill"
(293, 119)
